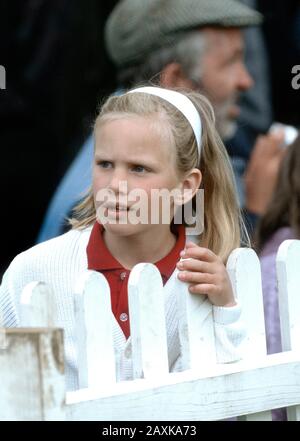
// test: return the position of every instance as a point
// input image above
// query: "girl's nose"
(118, 182)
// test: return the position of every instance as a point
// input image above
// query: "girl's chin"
(125, 230)
(120, 227)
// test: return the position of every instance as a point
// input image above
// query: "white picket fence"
(32, 358)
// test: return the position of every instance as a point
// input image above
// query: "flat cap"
(137, 27)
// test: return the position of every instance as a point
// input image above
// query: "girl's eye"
(104, 164)
(139, 168)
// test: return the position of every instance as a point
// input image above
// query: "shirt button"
(122, 275)
(123, 317)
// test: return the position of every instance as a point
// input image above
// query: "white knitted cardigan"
(58, 262)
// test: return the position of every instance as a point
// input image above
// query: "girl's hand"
(206, 274)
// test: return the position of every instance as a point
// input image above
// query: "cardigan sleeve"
(229, 333)
(8, 314)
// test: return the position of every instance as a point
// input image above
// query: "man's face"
(224, 76)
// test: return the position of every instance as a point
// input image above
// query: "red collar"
(100, 258)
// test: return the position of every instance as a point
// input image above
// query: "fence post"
(32, 375)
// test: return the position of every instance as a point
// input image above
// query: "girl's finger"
(203, 288)
(199, 253)
(196, 265)
(190, 244)
(196, 277)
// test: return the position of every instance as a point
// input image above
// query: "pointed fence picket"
(148, 324)
(196, 330)
(96, 360)
(244, 270)
(204, 390)
(38, 307)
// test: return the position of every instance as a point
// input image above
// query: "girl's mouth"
(118, 207)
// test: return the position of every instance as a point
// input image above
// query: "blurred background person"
(281, 31)
(256, 113)
(281, 221)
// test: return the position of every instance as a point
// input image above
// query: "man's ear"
(189, 186)
(173, 76)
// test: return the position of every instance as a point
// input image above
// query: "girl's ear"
(189, 186)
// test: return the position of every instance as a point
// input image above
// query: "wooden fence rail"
(32, 357)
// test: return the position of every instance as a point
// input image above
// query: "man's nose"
(245, 81)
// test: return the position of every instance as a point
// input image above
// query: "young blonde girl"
(149, 139)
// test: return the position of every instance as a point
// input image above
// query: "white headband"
(182, 103)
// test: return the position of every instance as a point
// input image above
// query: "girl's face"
(132, 156)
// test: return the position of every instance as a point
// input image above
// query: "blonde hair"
(222, 217)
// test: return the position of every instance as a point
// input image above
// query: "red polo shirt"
(100, 259)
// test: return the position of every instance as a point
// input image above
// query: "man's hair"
(188, 51)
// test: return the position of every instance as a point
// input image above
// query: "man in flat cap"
(195, 44)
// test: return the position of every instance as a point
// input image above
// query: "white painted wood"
(288, 277)
(293, 413)
(245, 274)
(244, 271)
(37, 306)
(93, 317)
(196, 328)
(51, 358)
(32, 375)
(1, 320)
(258, 416)
(31, 360)
(147, 322)
(222, 392)
(288, 274)
(3, 340)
